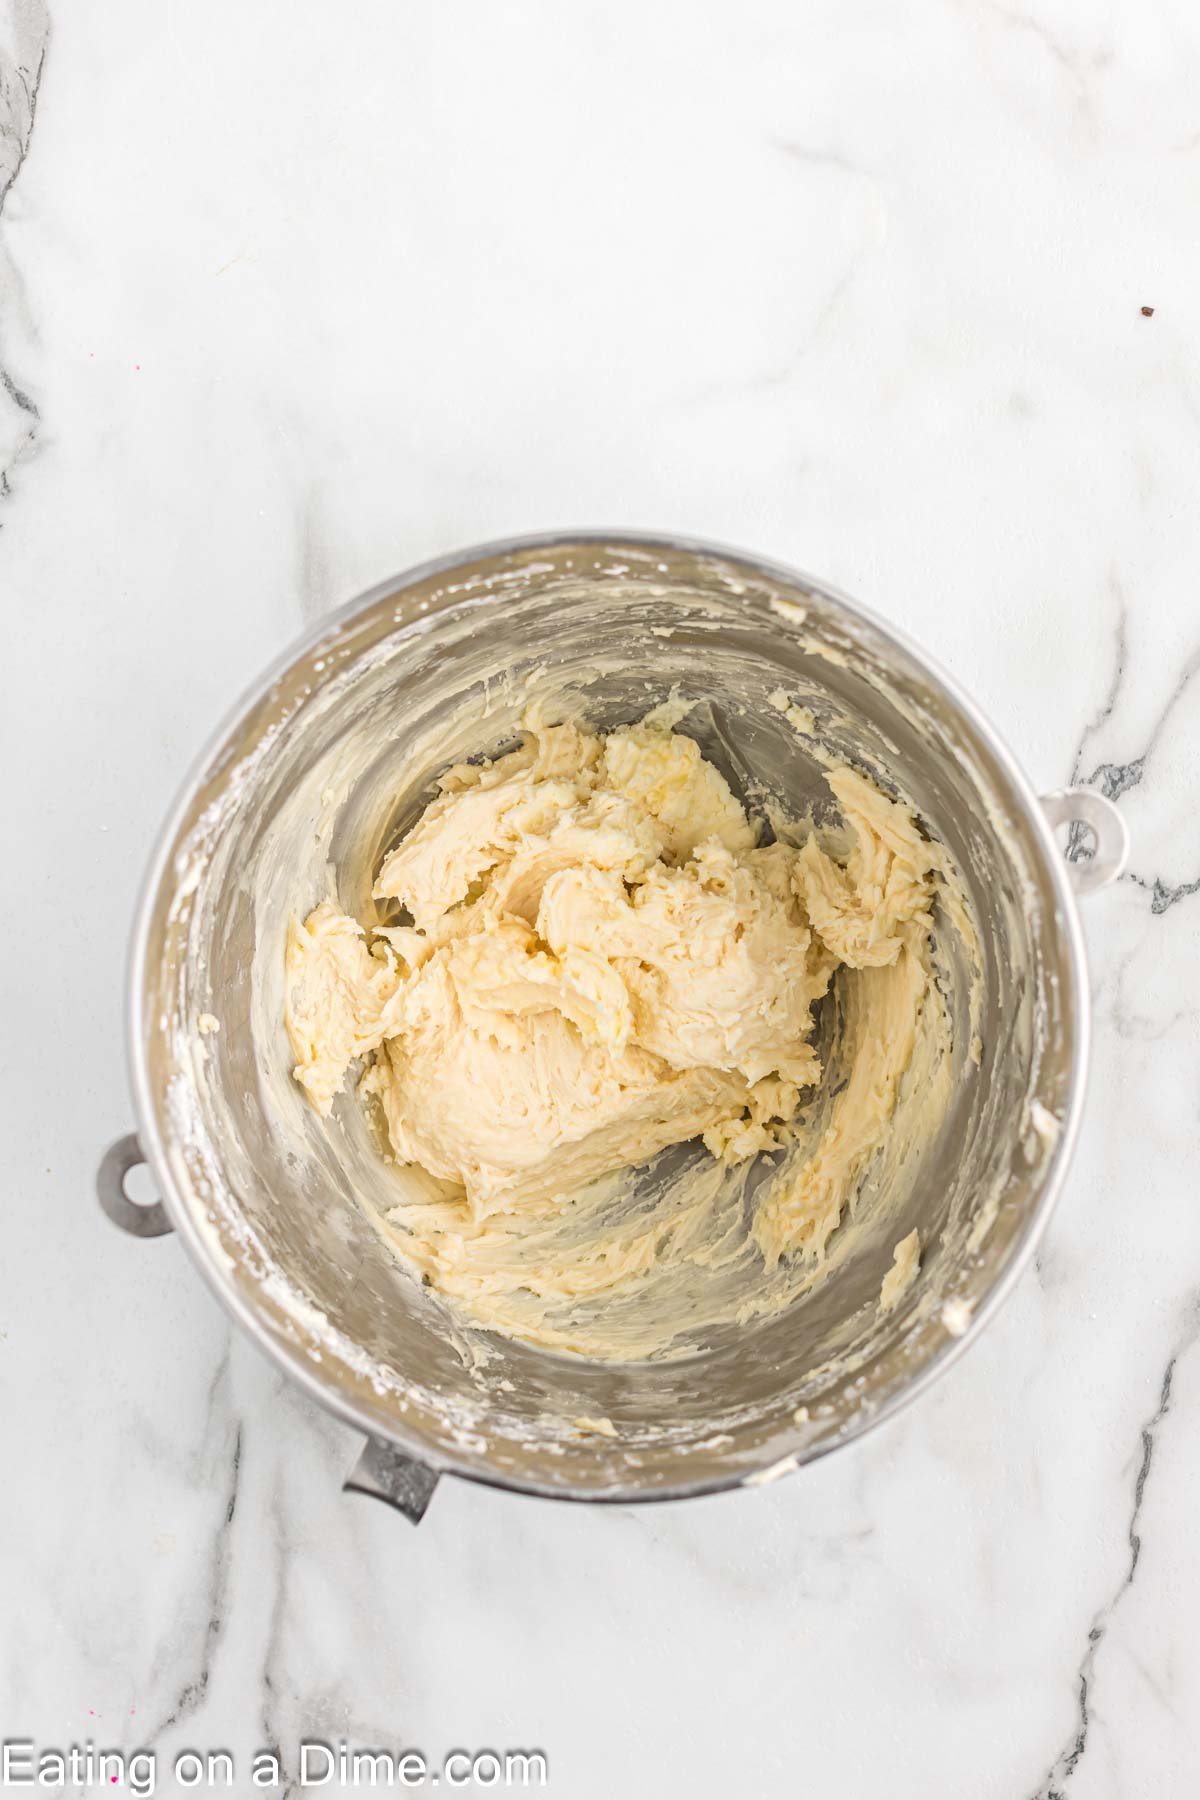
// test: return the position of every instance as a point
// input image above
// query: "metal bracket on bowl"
(386, 1474)
(1085, 811)
(380, 1471)
(144, 1221)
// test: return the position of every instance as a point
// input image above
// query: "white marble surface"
(291, 297)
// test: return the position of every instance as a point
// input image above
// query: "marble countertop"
(907, 295)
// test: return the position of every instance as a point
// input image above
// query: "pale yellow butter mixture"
(600, 962)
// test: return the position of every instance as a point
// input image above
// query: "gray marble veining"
(289, 301)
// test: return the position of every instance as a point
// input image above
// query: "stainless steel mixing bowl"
(329, 756)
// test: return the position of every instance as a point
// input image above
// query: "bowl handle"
(139, 1221)
(386, 1474)
(380, 1470)
(1086, 811)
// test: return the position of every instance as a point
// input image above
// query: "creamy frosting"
(589, 959)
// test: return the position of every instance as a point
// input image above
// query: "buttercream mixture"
(588, 958)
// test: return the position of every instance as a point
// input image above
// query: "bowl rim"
(288, 1356)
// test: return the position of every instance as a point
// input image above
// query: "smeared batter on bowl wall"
(594, 961)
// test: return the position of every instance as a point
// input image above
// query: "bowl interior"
(310, 784)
